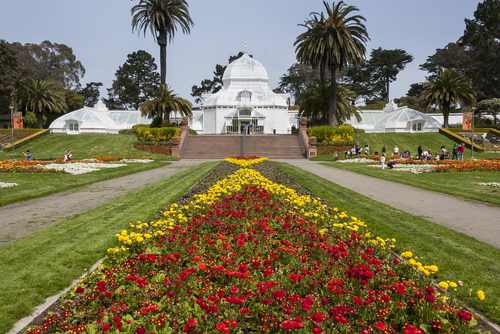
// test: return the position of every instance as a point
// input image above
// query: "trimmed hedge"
(459, 139)
(156, 134)
(26, 140)
(329, 134)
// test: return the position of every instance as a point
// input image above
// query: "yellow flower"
(480, 295)
(407, 254)
(443, 285)
(453, 284)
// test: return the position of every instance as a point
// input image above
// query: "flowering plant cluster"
(251, 255)
(155, 148)
(246, 157)
(468, 166)
(7, 184)
(24, 166)
(117, 158)
(245, 162)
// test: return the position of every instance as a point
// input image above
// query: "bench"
(46, 156)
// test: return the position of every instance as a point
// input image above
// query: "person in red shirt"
(461, 150)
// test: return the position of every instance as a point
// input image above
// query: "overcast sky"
(100, 33)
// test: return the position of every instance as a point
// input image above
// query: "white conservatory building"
(245, 98)
(394, 119)
(97, 120)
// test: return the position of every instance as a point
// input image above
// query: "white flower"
(6, 184)
(357, 160)
(77, 168)
(413, 169)
(136, 160)
(490, 184)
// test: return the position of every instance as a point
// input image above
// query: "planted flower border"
(251, 255)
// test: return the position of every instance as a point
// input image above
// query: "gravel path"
(21, 219)
(474, 219)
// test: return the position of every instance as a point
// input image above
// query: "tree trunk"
(162, 42)
(39, 120)
(332, 108)
(446, 113)
(386, 97)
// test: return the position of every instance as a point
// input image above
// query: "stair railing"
(304, 143)
(184, 143)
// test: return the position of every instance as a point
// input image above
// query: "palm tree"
(39, 97)
(333, 41)
(165, 103)
(448, 89)
(314, 104)
(162, 17)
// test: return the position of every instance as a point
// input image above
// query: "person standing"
(382, 160)
(27, 155)
(420, 151)
(67, 155)
(461, 150)
(455, 152)
(245, 128)
(396, 150)
(384, 150)
(442, 153)
(367, 150)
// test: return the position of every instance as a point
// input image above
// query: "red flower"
(220, 326)
(106, 327)
(192, 322)
(235, 290)
(429, 290)
(380, 326)
(318, 317)
(80, 290)
(116, 319)
(430, 298)
(140, 330)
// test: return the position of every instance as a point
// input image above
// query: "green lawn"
(408, 141)
(457, 256)
(84, 147)
(464, 185)
(42, 264)
(36, 185)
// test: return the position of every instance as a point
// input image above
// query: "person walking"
(455, 152)
(367, 150)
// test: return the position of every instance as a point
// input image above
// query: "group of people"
(29, 157)
(246, 128)
(457, 153)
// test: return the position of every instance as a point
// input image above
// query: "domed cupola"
(245, 72)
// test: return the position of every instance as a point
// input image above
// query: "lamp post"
(11, 107)
(472, 137)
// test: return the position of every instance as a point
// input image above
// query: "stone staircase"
(225, 146)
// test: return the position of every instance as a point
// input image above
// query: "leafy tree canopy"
(298, 80)
(208, 86)
(136, 82)
(482, 34)
(10, 72)
(50, 61)
(90, 93)
(384, 66)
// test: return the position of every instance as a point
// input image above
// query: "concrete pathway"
(479, 221)
(21, 219)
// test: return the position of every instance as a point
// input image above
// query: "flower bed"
(7, 184)
(161, 149)
(250, 255)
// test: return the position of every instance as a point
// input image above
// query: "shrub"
(157, 134)
(192, 132)
(328, 134)
(157, 122)
(126, 132)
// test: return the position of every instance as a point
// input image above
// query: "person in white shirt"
(396, 150)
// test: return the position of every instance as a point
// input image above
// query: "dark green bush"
(126, 132)
(192, 132)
